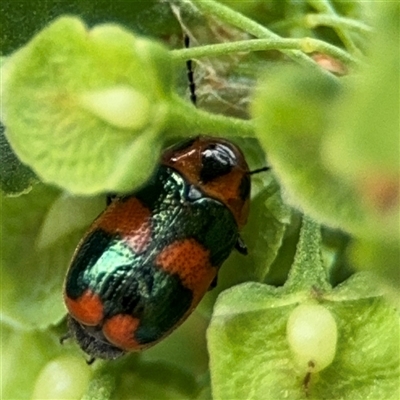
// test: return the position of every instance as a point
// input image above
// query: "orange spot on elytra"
(130, 219)
(87, 309)
(191, 262)
(120, 331)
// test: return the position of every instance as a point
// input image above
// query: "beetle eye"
(216, 160)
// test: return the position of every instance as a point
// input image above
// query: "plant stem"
(311, 21)
(308, 269)
(185, 119)
(234, 18)
(325, 6)
(307, 45)
(334, 21)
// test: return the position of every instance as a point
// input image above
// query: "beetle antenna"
(256, 171)
(189, 66)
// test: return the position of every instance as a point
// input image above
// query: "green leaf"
(364, 151)
(250, 352)
(39, 233)
(68, 215)
(269, 217)
(383, 259)
(292, 112)
(185, 349)
(334, 147)
(85, 109)
(101, 386)
(65, 377)
(48, 373)
(150, 380)
(15, 177)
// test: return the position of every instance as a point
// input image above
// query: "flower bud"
(312, 336)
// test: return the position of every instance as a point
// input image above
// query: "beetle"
(150, 257)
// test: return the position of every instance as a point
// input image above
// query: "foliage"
(90, 97)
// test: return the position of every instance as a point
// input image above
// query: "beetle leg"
(214, 283)
(65, 337)
(90, 361)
